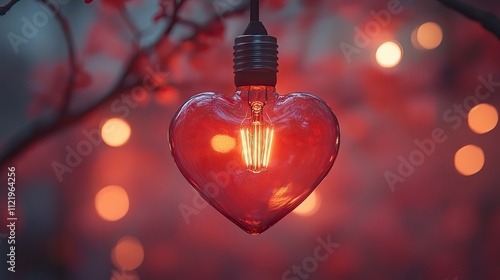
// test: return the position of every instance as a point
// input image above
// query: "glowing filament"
(257, 141)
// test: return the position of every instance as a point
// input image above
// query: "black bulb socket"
(255, 57)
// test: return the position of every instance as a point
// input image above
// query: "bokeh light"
(483, 118)
(115, 132)
(112, 203)
(429, 35)
(167, 96)
(223, 143)
(309, 206)
(128, 254)
(389, 54)
(469, 160)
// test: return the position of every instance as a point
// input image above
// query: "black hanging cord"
(255, 27)
(254, 10)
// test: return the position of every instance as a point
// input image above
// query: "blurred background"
(413, 193)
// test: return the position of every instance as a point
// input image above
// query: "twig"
(63, 22)
(173, 20)
(40, 129)
(487, 19)
(6, 8)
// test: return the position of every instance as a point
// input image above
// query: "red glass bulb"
(257, 155)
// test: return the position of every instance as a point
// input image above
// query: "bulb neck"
(255, 60)
(254, 93)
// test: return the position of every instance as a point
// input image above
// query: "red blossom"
(50, 80)
(114, 3)
(110, 3)
(104, 38)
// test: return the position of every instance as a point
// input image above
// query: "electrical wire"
(254, 10)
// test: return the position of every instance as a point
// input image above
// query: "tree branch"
(6, 8)
(40, 129)
(63, 22)
(173, 20)
(487, 19)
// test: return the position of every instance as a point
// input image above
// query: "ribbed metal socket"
(255, 60)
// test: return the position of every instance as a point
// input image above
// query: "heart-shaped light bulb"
(257, 155)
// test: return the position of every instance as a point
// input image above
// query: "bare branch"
(6, 8)
(173, 20)
(487, 19)
(68, 36)
(40, 129)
